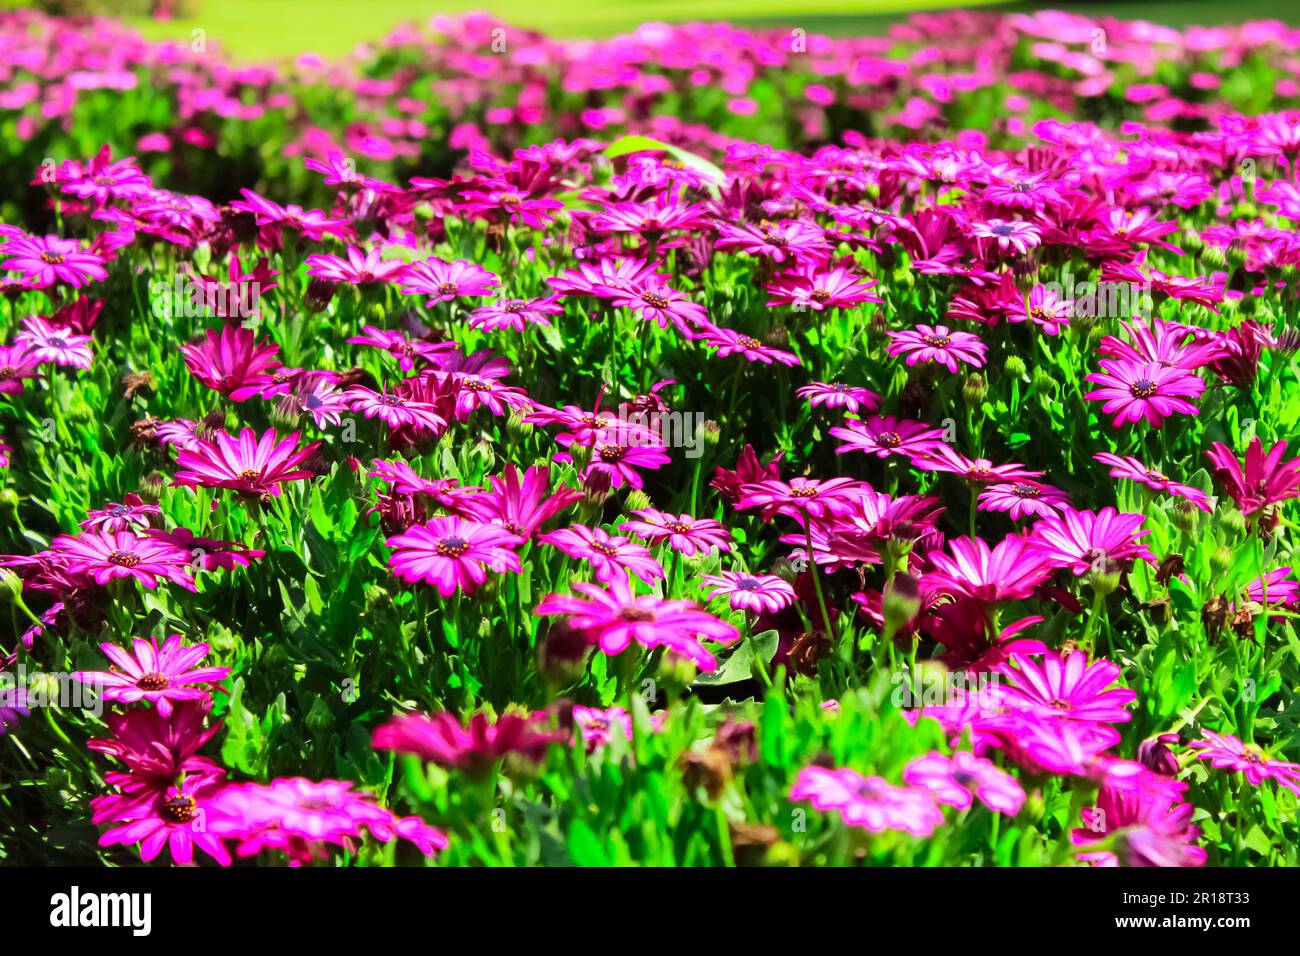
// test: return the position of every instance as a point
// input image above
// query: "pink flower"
(1022, 498)
(684, 534)
(515, 314)
(440, 738)
(957, 780)
(1133, 469)
(1229, 753)
(750, 592)
(121, 517)
(447, 281)
(597, 726)
(1085, 541)
(885, 435)
(1009, 571)
(359, 268)
(179, 819)
(730, 342)
(1133, 391)
(836, 395)
(453, 554)
(16, 364)
(928, 343)
(50, 260)
(812, 285)
(610, 557)
(248, 464)
(159, 675)
(867, 802)
(1265, 479)
(106, 555)
(393, 410)
(46, 343)
(801, 496)
(1149, 830)
(1065, 687)
(231, 362)
(1020, 236)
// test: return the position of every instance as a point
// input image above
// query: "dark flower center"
(820, 295)
(448, 288)
(890, 439)
(452, 547)
(514, 308)
(392, 401)
(654, 299)
(118, 511)
(608, 550)
(1154, 475)
(250, 474)
(1143, 388)
(7, 372)
(53, 258)
(612, 453)
(57, 342)
(475, 385)
(747, 584)
(678, 528)
(179, 810)
(937, 341)
(1002, 229)
(636, 615)
(1026, 491)
(804, 492)
(153, 682)
(123, 559)
(749, 344)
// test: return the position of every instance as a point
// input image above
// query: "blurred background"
(263, 29)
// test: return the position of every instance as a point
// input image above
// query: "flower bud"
(1213, 256)
(637, 500)
(710, 432)
(1015, 366)
(900, 602)
(1154, 754)
(11, 586)
(1184, 515)
(975, 390)
(152, 485)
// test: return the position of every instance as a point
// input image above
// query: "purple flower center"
(889, 439)
(804, 492)
(123, 559)
(1026, 491)
(153, 682)
(654, 299)
(608, 550)
(53, 258)
(747, 584)
(937, 341)
(452, 547)
(1143, 388)
(612, 453)
(179, 810)
(678, 528)
(514, 308)
(1003, 229)
(748, 344)
(448, 288)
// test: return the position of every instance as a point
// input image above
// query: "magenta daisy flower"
(447, 281)
(619, 453)
(453, 554)
(106, 555)
(730, 342)
(837, 395)
(1144, 830)
(1021, 498)
(598, 726)
(610, 557)
(1227, 752)
(656, 302)
(885, 435)
(799, 239)
(393, 410)
(121, 517)
(1133, 469)
(474, 748)
(1085, 541)
(46, 261)
(867, 802)
(980, 470)
(231, 362)
(687, 535)
(359, 268)
(1009, 571)
(758, 593)
(248, 464)
(180, 819)
(47, 343)
(1008, 234)
(159, 675)
(801, 496)
(1067, 686)
(400, 347)
(958, 780)
(819, 287)
(516, 314)
(16, 364)
(1261, 480)
(615, 618)
(936, 343)
(1135, 390)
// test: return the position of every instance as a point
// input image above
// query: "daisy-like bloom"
(359, 268)
(46, 343)
(1131, 468)
(474, 748)
(447, 281)
(16, 364)
(155, 748)
(313, 224)
(1009, 571)
(1230, 753)
(207, 554)
(248, 464)
(181, 433)
(801, 496)
(1065, 687)
(837, 395)
(1276, 587)
(400, 347)
(1169, 343)
(885, 435)
(1008, 234)
(749, 592)
(106, 555)
(300, 817)
(159, 675)
(1146, 830)
(520, 505)
(867, 802)
(1265, 479)
(684, 534)
(516, 314)
(610, 557)
(1102, 541)
(730, 342)
(980, 470)
(1136, 390)
(936, 343)
(393, 410)
(485, 391)
(818, 287)
(619, 452)
(1021, 498)
(614, 618)
(799, 239)
(958, 780)
(181, 818)
(597, 726)
(121, 517)
(315, 394)
(654, 301)
(46, 261)
(231, 362)
(1047, 310)
(453, 554)
(103, 179)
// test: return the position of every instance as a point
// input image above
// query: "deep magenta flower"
(393, 410)
(1147, 830)
(958, 780)
(867, 802)
(49, 260)
(132, 512)
(980, 470)
(1065, 687)
(1009, 571)
(1022, 498)
(156, 674)
(405, 350)
(248, 464)
(441, 738)
(749, 592)
(515, 314)
(453, 554)
(180, 819)
(730, 342)
(801, 496)
(615, 618)
(16, 364)
(1230, 753)
(1008, 234)
(818, 287)
(359, 268)
(47, 343)
(231, 362)
(106, 555)
(684, 534)
(936, 343)
(521, 506)
(611, 557)
(837, 395)
(1102, 541)
(619, 452)
(1265, 479)
(885, 435)
(1133, 391)
(1133, 469)
(447, 281)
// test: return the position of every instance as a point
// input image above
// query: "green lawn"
(262, 29)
